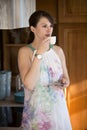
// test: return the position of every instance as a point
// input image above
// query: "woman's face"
(43, 29)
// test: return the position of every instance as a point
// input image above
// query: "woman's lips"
(47, 35)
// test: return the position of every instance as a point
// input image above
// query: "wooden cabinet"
(12, 105)
(72, 11)
(73, 42)
(9, 128)
(12, 41)
(72, 34)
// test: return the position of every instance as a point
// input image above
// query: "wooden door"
(75, 47)
(72, 37)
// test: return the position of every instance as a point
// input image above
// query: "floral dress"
(45, 107)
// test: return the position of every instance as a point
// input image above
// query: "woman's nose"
(48, 29)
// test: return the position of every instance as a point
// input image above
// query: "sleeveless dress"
(45, 107)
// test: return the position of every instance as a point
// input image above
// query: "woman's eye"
(44, 26)
(51, 26)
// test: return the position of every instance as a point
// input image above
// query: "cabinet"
(72, 34)
(10, 102)
(1, 128)
(12, 41)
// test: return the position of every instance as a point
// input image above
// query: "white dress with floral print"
(45, 107)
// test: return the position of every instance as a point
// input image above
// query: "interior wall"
(48, 5)
(51, 6)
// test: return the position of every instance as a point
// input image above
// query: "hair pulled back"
(34, 19)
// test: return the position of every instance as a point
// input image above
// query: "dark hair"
(34, 19)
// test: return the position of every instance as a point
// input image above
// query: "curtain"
(15, 13)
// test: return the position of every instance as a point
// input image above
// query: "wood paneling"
(48, 5)
(72, 11)
(72, 34)
(73, 40)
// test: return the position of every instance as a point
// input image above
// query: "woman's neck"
(35, 44)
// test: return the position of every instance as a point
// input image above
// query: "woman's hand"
(60, 84)
(44, 46)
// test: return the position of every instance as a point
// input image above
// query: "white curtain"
(15, 13)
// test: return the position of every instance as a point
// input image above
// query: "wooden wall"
(72, 33)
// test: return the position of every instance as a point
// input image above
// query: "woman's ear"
(32, 28)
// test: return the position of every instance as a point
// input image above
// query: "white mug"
(52, 40)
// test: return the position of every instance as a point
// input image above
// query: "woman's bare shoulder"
(25, 50)
(25, 53)
(58, 49)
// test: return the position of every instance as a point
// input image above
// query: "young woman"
(44, 74)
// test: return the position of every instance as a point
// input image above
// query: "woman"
(41, 67)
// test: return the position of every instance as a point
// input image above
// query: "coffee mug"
(52, 40)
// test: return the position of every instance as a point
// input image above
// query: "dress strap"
(32, 48)
(51, 46)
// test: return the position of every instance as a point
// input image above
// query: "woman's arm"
(65, 78)
(29, 71)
